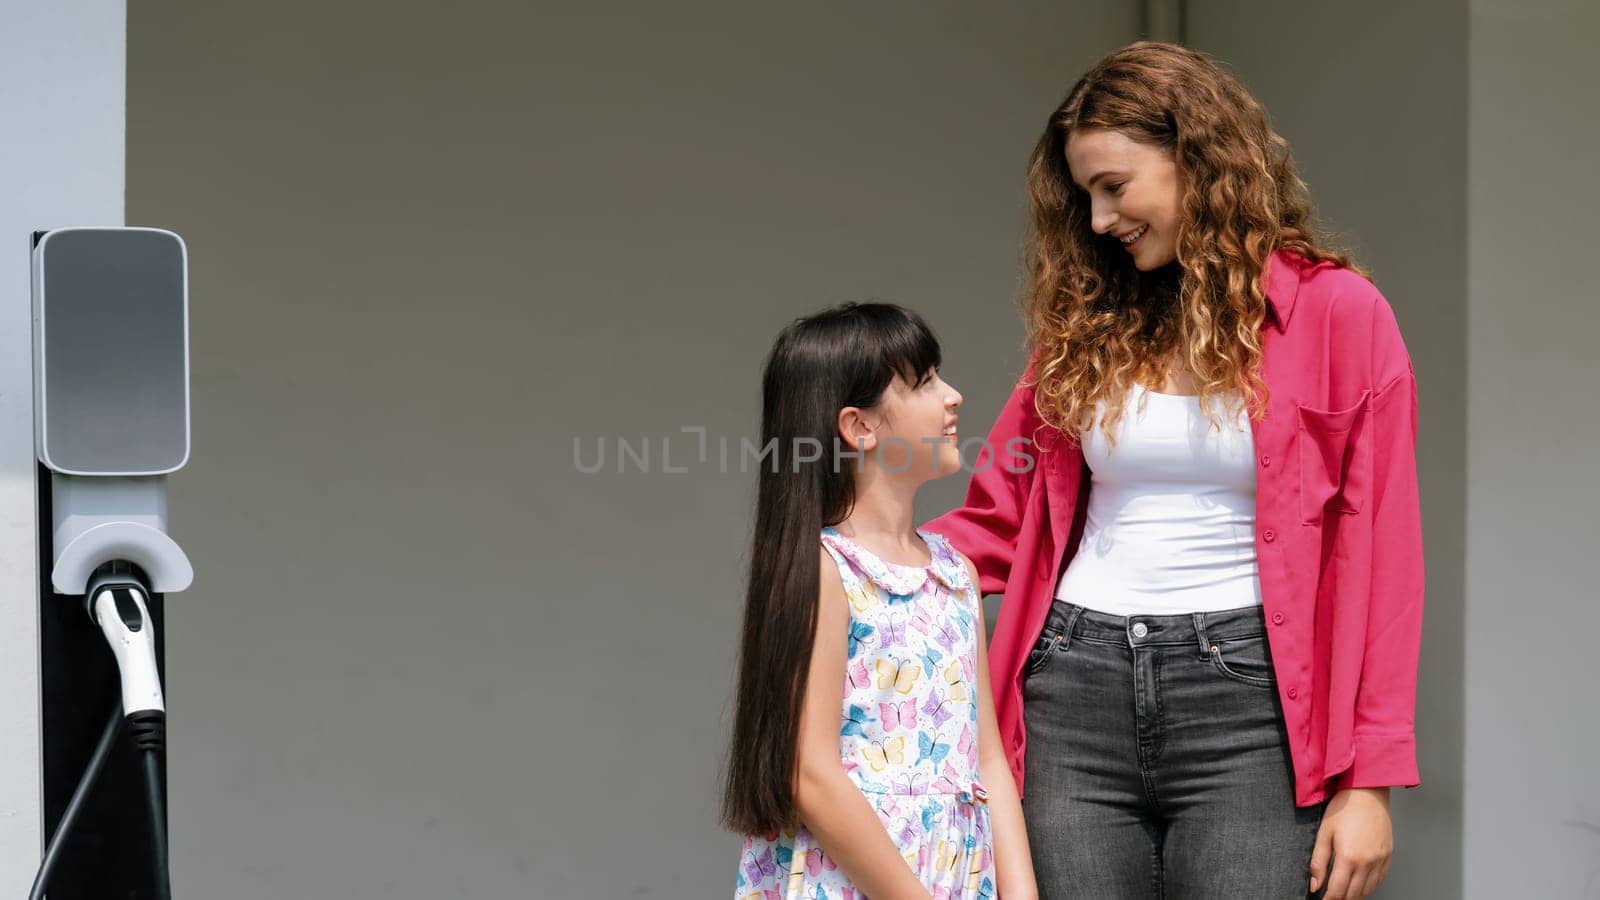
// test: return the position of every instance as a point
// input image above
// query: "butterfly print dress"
(908, 734)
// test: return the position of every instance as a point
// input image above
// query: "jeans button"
(1139, 630)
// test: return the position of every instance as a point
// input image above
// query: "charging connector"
(116, 602)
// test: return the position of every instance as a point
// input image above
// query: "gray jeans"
(1157, 761)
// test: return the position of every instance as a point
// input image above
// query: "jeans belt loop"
(1072, 621)
(1200, 633)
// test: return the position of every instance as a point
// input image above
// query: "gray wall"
(1533, 734)
(426, 657)
(423, 656)
(1373, 98)
(61, 163)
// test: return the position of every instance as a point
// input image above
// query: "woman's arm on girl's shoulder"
(829, 803)
(1013, 861)
(986, 524)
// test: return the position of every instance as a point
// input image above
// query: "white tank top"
(1171, 519)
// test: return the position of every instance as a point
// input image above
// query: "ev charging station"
(111, 412)
(111, 416)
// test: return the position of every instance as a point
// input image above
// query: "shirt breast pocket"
(1333, 445)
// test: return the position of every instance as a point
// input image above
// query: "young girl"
(865, 759)
(1206, 659)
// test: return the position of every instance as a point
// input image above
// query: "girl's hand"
(1357, 832)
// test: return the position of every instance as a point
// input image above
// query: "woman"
(1205, 662)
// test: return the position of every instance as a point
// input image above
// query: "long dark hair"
(843, 356)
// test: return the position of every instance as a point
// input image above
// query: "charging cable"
(116, 602)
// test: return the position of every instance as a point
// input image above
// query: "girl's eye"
(1115, 188)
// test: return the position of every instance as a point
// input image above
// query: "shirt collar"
(1281, 282)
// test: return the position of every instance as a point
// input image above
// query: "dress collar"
(895, 578)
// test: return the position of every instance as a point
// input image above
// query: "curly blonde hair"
(1095, 323)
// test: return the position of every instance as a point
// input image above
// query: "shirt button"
(1139, 630)
(1269, 535)
(1293, 693)
(1266, 460)
(1277, 618)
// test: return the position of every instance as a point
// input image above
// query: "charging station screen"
(114, 319)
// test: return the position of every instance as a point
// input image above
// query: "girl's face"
(912, 431)
(1133, 193)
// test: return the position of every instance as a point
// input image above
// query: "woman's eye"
(1116, 188)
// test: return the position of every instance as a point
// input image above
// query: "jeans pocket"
(1246, 660)
(1044, 650)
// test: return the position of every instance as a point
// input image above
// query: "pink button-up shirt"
(1338, 531)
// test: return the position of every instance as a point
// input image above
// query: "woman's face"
(1133, 193)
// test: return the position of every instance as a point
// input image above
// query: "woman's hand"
(1357, 833)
